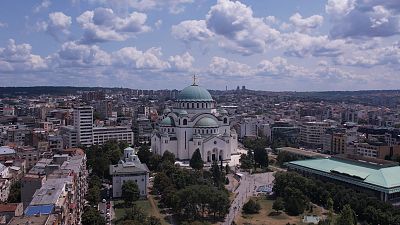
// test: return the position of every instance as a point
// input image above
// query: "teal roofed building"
(380, 180)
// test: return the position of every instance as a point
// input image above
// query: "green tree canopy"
(168, 157)
(346, 217)
(251, 207)
(278, 204)
(196, 162)
(91, 216)
(144, 154)
(130, 192)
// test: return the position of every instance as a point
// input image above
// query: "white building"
(129, 169)
(102, 134)
(83, 123)
(195, 123)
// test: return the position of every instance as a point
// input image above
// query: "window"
(185, 122)
(197, 105)
(225, 120)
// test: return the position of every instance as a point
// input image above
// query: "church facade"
(195, 123)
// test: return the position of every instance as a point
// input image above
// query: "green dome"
(206, 122)
(194, 93)
(167, 121)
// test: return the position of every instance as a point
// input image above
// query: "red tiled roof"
(10, 207)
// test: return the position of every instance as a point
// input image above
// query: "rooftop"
(386, 177)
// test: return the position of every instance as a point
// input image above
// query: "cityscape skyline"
(329, 45)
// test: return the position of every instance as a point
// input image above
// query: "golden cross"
(194, 79)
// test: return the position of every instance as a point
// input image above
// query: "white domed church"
(195, 123)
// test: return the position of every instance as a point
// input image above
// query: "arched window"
(202, 105)
(197, 105)
(192, 105)
(225, 120)
(184, 121)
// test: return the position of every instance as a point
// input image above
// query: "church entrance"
(213, 157)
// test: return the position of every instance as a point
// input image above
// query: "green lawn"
(267, 216)
(145, 205)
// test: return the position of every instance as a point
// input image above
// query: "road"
(246, 189)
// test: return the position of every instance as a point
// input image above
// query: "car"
(101, 211)
(104, 201)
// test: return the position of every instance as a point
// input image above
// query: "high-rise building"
(83, 123)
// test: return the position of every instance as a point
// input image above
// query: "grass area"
(267, 216)
(145, 205)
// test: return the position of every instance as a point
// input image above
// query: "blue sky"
(275, 45)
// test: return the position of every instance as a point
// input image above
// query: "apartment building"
(311, 133)
(83, 124)
(119, 133)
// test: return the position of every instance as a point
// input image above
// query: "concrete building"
(130, 168)
(83, 123)
(375, 178)
(311, 133)
(119, 133)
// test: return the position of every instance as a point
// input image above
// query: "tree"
(216, 173)
(329, 206)
(154, 162)
(227, 169)
(347, 216)
(93, 195)
(278, 204)
(251, 207)
(295, 201)
(91, 216)
(144, 154)
(196, 162)
(15, 193)
(261, 157)
(130, 192)
(247, 161)
(168, 157)
(161, 182)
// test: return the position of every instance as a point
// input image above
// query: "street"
(246, 189)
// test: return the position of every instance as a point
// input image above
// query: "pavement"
(247, 188)
(107, 212)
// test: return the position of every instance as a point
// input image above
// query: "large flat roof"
(361, 174)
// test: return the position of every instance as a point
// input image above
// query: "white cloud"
(235, 22)
(191, 30)
(351, 19)
(103, 24)
(73, 54)
(2, 24)
(132, 58)
(158, 24)
(18, 58)
(43, 5)
(182, 62)
(57, 25)
(278, 66)
(223, 67)
(305, 24)
(302, 45)
(174, 6)
(339, 8)
(379, 16)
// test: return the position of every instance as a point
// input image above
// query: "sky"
(273, 45)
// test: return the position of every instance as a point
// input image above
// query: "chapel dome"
(206, 122)
(194, 93)
(167, 121)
